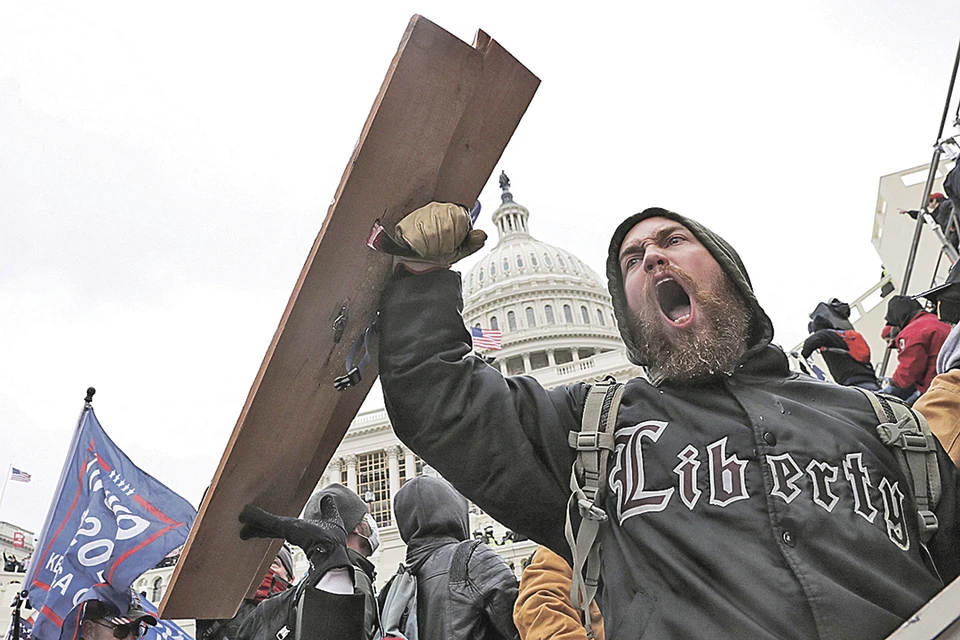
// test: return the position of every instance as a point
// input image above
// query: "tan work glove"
(441, 234)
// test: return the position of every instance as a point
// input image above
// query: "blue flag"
(108, 523)
(165, 629)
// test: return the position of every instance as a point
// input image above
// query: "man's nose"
(653, 259)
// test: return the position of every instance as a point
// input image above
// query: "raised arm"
(821, 338)
(502, 442)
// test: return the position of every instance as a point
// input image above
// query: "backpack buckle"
(928, 524)
(897, 434)
(352, 378)
(590, 440)
(590, 511)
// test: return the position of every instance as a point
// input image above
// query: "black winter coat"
(465, 591)
(760, 505)
(843, 367)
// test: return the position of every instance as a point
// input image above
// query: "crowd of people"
(732, 496)
(13, 565)
(720, 495)
(915, 333)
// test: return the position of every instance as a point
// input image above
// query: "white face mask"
(374, 539)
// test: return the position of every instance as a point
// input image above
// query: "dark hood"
(430, 514)
(761, 330)
(352, 508)
(900, 310)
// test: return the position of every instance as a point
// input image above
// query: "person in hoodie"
(433, 520)
(744, 500)
(918, 340)
(363, 538)
(845, 368)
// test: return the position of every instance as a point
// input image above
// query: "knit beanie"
(352, 508)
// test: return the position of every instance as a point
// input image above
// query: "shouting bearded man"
(744, 500)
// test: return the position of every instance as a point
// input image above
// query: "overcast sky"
(164, 170)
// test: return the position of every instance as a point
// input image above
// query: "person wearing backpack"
(325, 604)
(363, 539)
(464, 590)
(742, 499)
(845, 352)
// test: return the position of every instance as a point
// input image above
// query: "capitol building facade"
(557, 325)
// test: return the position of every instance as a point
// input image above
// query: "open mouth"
(674, 301)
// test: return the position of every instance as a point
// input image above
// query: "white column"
(352, 472)
(551, 360)
(393, 476)
(331, 473)
(410, 464)
(526, 363)
(393, 470)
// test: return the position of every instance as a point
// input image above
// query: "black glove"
(324, 540)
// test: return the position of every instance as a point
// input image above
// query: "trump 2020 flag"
(108, 523)
(164, 629)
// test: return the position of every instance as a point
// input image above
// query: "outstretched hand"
(324, 540)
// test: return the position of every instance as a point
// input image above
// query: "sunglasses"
(121, 631)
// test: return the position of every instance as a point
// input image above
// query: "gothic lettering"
(627, 477)
(687, 472)
(859, 481)
(727, 483)
(893, 513)
(822, 475)
(785, 472)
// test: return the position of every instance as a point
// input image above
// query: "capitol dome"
(552, 309)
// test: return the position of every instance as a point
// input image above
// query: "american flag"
(19, 476)
(486, 338)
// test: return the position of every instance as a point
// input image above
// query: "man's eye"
(675, 240)
(630, 262)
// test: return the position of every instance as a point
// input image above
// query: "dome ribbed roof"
(518, 254)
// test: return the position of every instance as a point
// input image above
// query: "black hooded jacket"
(470, 599)
(754, 505)
(901, 310)
(844, 368)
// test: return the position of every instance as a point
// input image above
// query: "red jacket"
(919, 343)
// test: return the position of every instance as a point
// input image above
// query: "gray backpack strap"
(588, 484)
(908, 436)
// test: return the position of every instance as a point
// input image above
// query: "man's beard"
(712, 347)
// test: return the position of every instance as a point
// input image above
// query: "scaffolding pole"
(927, 190)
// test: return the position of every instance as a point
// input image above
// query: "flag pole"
(17, 601)
(5, 481)
(87, 406)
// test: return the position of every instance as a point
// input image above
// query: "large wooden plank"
(939, 618)
(444, 114)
